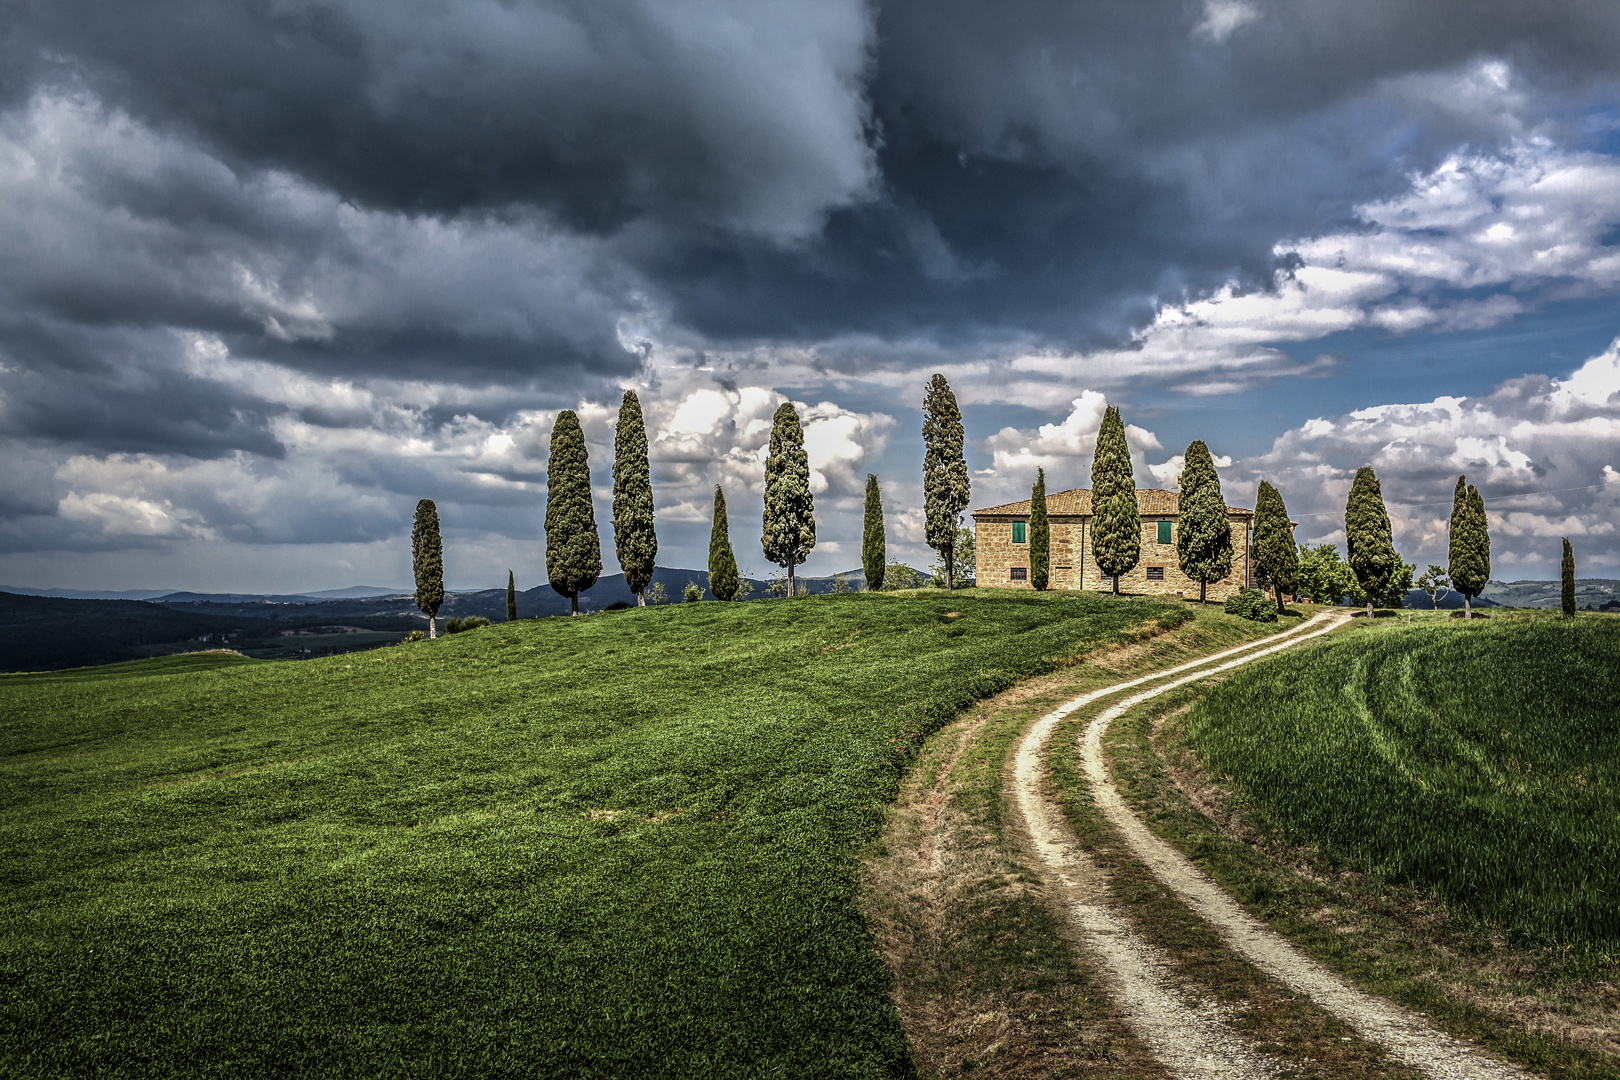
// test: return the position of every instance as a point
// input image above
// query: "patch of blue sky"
(1374, 367)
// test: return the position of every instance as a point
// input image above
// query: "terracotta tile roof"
(1076, 502)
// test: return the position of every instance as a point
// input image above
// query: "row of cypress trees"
(1204, 534)
(573, 548)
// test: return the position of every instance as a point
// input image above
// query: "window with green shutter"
(1018, 532)
(1164, 532)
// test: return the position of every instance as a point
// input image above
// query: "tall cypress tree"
(1368, 539)
(634, 539)
(945, 475)
(1203, 527)
(1569, 579)
(874, 546)
(1040, 534)
(1482, 530)
(790, 519)
(573, 549)
(1116, 521)
(723, 581)
(1470, 545)
(427, 560)
(1276, 556)
(511, 597)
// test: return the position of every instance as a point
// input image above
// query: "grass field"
(1481, 761)
(610, 846)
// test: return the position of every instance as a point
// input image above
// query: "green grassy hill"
(1479, 760)
(619, 845)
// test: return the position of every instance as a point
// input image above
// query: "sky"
(273, 270)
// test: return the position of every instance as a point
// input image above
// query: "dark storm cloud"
(1080, 159)
(950, 170)
(321, 243)
(746, 114)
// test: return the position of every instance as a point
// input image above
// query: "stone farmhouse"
(1001, 539)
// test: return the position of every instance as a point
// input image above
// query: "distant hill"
(87, 594)
(1595, 593)
(40, 633)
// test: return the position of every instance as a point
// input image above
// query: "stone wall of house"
(1074, 564)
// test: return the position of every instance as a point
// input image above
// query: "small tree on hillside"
(1434, 582)
(874, 546)
(790, 520)
(1367, 536)
(945, 475)
(427, 559)
(573, 549)
(1569, 579)
(1276, 558)
(511, 597)
(1116, 520)
(1322, 574)
(722, 561)
(1470, 545)
(1204, 531)
(634, 539)
(1040, 534)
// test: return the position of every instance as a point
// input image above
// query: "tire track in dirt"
(1408, 1037)
(1189, 1036)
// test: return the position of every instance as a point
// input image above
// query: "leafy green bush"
(470, 622)
(898, 576)
(1252, 604)
(416, 635)
(692, 593)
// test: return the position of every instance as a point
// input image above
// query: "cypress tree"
(1040, 534)
(722, 562)
(1470, 545)
(511, 597)
(790, 521)
(1276, 557)
(945, 475)
(427, 560)
(1116, 521)
(1482, 531)
(874, 547)
(634, 540)
(573, 549)
(1569, 579)
(1203, 528)
(1368, 539)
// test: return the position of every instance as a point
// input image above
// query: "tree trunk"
(1468, 606)
(432, 628)
(1202, 585)
(575, 600)
(1116, 584)
(950, 569)
(641, 600)
(1280, 607)
(1369, 609)
(792, 589)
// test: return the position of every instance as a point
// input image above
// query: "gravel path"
(1189, 1035)
(1407, 1036)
